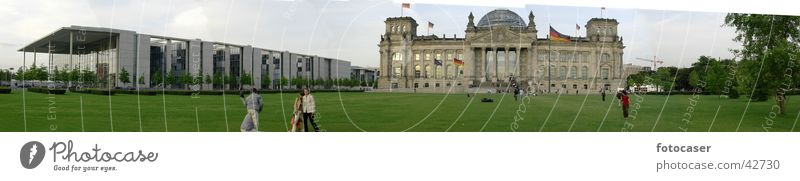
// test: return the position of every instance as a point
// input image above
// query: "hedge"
(5, 90)
(104, 92)
(45, 90)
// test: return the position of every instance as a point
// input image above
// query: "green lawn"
(388, 112)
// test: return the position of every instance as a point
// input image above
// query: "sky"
(350, 30)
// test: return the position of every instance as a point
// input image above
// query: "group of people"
(302, 112)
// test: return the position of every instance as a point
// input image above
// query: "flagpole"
(549, 59)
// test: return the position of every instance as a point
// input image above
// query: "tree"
(124, 76)
(208, 79)
(266, 81)
(227, 80)
(156, 79)
(187, 79)
(769, 49)
(217, 80)
(246, 79)
(141, 79)
(169, 79)
(284, 82)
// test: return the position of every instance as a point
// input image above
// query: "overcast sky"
(348, 30)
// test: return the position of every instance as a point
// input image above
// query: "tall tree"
(769, 49)
(124, 76)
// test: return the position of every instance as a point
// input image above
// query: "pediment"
(500, 35)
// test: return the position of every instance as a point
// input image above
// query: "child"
(296, 113)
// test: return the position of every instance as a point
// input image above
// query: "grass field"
(391, 112)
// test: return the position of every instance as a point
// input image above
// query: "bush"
(104, 92)
(45, 90)
(5, 90)
(139, 92)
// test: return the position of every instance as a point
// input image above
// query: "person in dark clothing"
(516, 93)
(603, 95)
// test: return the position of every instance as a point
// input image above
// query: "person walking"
(297, 113)
(308, 109)
(603, 94)
(625, 102)
(253, 103)
(516, 93)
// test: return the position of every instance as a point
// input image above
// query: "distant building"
(108, 51)
(365, 74)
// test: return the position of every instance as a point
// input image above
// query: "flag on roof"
(430, 25)
(556, 36)
(407, 5)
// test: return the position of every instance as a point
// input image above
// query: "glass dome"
(501, 17)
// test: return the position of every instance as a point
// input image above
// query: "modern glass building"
(108, 52)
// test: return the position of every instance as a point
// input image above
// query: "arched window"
(428, 71)
(439, 72)
(417, 71)
(451, 71)
(573, 72)
(584, 72)
(397, 59)
(404, 28)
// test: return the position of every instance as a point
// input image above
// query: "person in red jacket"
(625, 102)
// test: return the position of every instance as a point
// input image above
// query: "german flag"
(457, 61)
(556, 36)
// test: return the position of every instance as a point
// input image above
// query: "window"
(574, 86)
(585, 86)
(564, 55)
(439, 72)
(542, 56)
(605, 73)
(573, 73)
(606, 57)
(396, 63)
(428, 71)
(417, 71)
(562, 73)
(584, 72)
(450, 71)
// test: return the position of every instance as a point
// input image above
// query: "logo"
(31, 154)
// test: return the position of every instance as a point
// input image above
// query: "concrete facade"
(142, 55)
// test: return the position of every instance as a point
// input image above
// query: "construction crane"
(654, 61)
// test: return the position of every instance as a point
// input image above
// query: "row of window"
(573, 56)
(573, 73)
